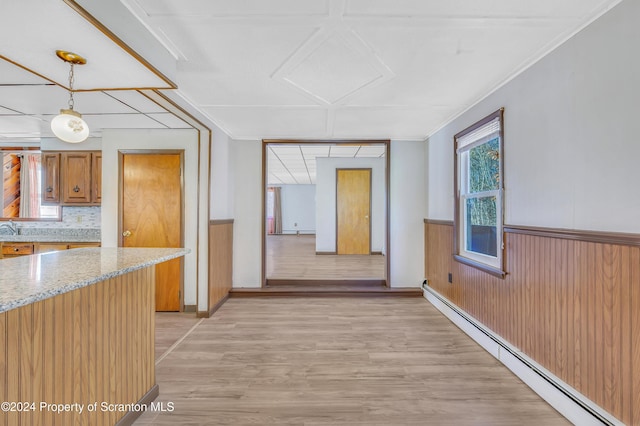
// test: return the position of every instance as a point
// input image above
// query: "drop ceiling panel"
(371, 151)
(5, 111)
(266, 122)
(225, 8)
(314, 151)
(467, 8)
(468, 60)
(244, 48)
(286, 166)
(242, 90)
(53, 25)
(344, 151)
(233, 64)
(169, 120)
(333, 70)
(11, 74)
(397, 123)
(122, 121)
(136, 101)
(322, 69)
(20, 126)
(50, 99)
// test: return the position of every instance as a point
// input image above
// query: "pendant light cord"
(71, 103)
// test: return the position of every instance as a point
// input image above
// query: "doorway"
(151, 209)
(312, 232)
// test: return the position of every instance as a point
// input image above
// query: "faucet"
(11, 227)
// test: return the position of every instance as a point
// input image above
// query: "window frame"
(489, 264)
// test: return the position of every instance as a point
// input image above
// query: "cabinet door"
(76, 177)
(50, 247)
(96, 177)
(50, 177)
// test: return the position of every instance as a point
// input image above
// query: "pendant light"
(69, 125)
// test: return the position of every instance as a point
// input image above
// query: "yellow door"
(353, 204)
(152, 216)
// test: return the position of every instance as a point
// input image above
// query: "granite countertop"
(52, 235)
(28, 279)
(49, 238)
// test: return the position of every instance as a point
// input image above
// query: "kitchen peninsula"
(77, 330)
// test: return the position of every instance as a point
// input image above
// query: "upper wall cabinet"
(79, 178)
(50, 177)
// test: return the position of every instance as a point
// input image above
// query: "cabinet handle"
(76, 189)
(49, 189)
(16, 249)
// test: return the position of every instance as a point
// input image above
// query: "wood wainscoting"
(220, 264)
(91, 345)
(570, 301)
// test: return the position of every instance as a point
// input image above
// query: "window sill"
(481, 266)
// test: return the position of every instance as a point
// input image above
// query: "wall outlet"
(79, 218)
(450, 278)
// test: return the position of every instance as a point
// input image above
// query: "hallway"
(333, 361)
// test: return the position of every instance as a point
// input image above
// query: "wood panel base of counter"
(82, 357)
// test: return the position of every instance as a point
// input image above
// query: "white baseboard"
(577, 408)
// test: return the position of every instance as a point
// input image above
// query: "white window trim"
(475, 135)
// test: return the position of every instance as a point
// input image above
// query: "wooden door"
(152, 216)
(353, 210)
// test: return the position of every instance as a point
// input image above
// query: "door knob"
(126, 233)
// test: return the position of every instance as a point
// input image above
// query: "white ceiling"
(312, 69)
(293, 164)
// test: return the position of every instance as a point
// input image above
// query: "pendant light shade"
(69, 126)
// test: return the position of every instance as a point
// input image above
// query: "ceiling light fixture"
(69, 125)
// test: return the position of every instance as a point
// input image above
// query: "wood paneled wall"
(571, 305)
(10, 185)
(220, 263)
(94, 344)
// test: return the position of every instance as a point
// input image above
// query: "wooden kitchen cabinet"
(51, 247)
(96, 177)
(50, 163)
(75, 178)
(16, 249)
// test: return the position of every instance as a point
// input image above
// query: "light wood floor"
(338, 361)
(171, 327)
(294, 257)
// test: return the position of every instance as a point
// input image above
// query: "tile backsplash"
(72, 218)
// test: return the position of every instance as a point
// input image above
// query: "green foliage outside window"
(484, 175)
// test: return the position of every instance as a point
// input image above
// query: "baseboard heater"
(567, 401)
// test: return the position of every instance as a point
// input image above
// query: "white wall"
(326, 200)
(127, 139)
(408, 198)
(571, 134)
(221, 200)
(298, 209)
(55, 144)
(247, 229)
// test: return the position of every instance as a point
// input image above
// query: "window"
(480, 190)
